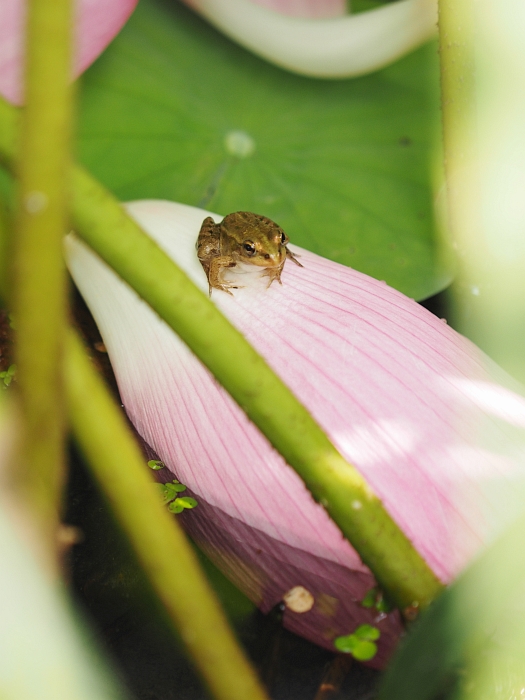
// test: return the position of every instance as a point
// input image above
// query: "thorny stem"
(163, 550)
(38, 297)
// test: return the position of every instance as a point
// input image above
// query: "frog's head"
(254, 239)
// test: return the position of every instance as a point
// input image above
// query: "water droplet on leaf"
(239, 144)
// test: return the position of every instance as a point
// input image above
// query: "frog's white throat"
(246, 275)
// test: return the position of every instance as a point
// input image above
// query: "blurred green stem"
(457, 99)
(38, 297)
(483, 59)
(162, 548)
(4, 245)
(160, 545)
(100, 220)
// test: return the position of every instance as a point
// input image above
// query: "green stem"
(457, 99)
(103, 224)
(157, 538)
(38, 297)
(9, 131)
(3, 251)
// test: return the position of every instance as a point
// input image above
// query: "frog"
(240, 239)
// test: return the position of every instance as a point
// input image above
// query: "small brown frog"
(242, 238)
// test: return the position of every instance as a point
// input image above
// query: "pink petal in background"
(434, 426)
(97, 23)
(316, 9)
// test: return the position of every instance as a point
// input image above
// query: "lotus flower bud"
(434, 426)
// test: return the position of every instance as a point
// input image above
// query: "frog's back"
(242, 225)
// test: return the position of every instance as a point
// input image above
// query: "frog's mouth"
(266, 260)
(250, 268)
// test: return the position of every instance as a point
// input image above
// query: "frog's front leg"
(208, 241)
(209, 250)
(293, 256)
(216, 268)
(274, 273)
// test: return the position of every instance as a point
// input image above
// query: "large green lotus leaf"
(343, 166)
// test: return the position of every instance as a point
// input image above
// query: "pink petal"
(97, 22)
(416, 407)
(316, 9)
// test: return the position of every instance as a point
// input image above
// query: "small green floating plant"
(180, 504)
(169, 492)
(176, 504)
(8, 375)
(375, 598)
(360, 644)
(156, 464)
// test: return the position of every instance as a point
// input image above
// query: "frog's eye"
(248, 248)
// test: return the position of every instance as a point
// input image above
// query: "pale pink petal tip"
(316, 9)
(97, 23)
(434, 426)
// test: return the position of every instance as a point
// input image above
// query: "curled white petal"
(328, 48)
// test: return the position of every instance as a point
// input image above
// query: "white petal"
(329, 48)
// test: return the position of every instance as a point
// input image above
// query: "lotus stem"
(38, 298)
(161, 547)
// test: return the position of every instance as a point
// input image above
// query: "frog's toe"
(225, 287)
(273, 274)
(293, 256)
